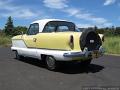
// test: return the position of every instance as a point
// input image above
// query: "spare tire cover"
(90, 39)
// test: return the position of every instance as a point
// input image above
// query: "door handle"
(34, 39)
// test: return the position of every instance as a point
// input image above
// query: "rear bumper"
(86, 53)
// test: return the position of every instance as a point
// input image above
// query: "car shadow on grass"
(66, 67)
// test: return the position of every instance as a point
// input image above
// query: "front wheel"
(51, 63)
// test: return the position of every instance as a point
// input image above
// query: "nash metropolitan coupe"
(53, 40)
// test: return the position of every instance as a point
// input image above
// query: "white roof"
(43, 22)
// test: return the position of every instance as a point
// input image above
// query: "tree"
(117, 31)
(9, 26)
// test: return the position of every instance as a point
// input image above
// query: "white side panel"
(18, 43)
(36, 53)
(22, 49)
(58, 55)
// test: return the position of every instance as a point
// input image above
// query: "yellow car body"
(59, 41)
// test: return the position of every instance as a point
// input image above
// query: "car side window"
(49, 28)
(33, 29)
(62, 28)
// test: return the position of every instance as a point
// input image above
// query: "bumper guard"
(85, 53)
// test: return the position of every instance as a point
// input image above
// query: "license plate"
(95, 54)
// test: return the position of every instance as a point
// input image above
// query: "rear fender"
(101, 37)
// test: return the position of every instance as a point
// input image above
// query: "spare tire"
(90, 39)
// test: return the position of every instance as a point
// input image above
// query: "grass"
(5, 40)
(112, 44)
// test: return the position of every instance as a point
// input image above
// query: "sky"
(84, 13)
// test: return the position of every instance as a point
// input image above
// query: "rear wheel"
(51, 63)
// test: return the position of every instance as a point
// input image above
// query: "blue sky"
(85, 13)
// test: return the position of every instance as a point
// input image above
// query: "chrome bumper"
(85, 53)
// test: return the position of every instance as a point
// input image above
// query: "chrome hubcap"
(51, 63)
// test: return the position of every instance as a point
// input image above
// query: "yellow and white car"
(55, 40)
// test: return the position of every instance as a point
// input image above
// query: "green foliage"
(112, 44)
(10, 30)
(19, 30)
(109, 31)
(9, 26)
(5, 40)
(117, 31)
(100, 31)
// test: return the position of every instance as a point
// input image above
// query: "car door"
(53, 36)
(30, 39)
(46, 38)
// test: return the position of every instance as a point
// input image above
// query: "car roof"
(43, 22)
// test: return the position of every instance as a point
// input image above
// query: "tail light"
(71, 42)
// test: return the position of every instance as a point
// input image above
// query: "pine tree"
(9, 26)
